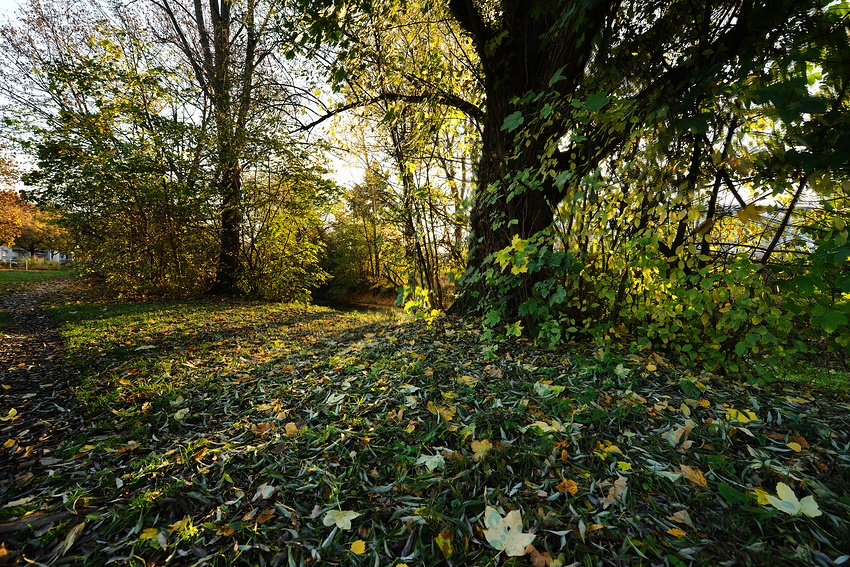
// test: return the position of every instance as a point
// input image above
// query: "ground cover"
(261, 434)
(18, 280)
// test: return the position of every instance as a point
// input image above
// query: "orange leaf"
(676, 532)
(567, 485)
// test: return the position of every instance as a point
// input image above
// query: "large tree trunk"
(520, 55)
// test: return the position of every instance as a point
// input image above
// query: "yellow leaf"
(750, 213)
(566, 486)
(704, 403)
(786, 501)
(447, 413)
(444, 542)
(410, 427)
(741, 416)
(694, 475)
(796, 447)
(6, 386)
(467, 381)
(480, 448)
(9, 444)
(651, 367)
(342, 518)
(624, 466)
(225, 531)
(290, 428)
(358, 547)
(149, 533)
(676, 532)
(761, 496)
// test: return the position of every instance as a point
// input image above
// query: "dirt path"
(34, 387)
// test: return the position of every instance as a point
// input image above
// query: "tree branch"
(469, 109)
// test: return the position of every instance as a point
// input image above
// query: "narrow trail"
(37, 408)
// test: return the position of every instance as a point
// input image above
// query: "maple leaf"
(505, 534)
(480, 448)
(342, 518)
(786, 501)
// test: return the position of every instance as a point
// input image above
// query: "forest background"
(669, 176)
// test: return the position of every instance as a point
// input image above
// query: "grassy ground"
(259, 434)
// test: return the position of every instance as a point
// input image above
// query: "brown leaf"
(694, 475)
(682, 517)
(538, 559)
(265, 515)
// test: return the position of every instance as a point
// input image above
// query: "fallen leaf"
(537, 558)
(694, 475)
(493, 372)
(10, 415)
(676, 532)
(761, 496)
(741, 416)
(444, 542)
(447, 413)
(796, 447)
(6, 386)
(682, 517)
(9, 444)
(358, 547)
(505, 534)
(431, 462)
(567, 486)
(467, 381)
(786, 501)
(342, 518)
(18, 502)
(265, 515)
(264, 492)
(616, 492)
(180, 414)
(480, 448)
(262, 428)
(72, 537)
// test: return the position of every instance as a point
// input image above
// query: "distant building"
(10, 255)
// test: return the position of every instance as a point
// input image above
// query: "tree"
(225, 43)
(14, 215)
(568, 84)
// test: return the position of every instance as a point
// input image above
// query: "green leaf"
(732, 496)
(595, 101)
(513, 121)
(557, 77)
(830, 321)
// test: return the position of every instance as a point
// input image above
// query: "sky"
(7, 7)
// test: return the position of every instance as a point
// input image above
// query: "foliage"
(687, 227)
(45, 231)
(281, 257)
(14, 214)
(409, 91)
(212, 428)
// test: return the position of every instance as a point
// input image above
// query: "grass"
(241, 433)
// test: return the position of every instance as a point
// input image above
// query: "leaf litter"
(307, 435)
